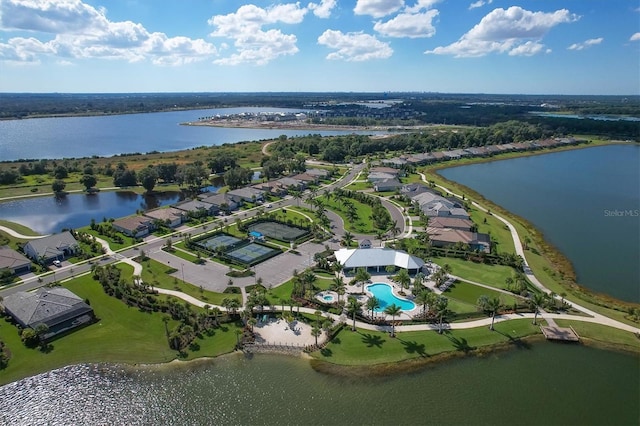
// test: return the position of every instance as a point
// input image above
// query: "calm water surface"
(73, 137)
(586, 202)
(51, 214)
(546, 384)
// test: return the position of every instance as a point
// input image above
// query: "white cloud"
(414, 25)
(322, 10)
(479, 3)
(508, 31)
(354, 46)
(253, 44)
(420, 6)
(81, 31)
(377, 8)
(635, 37)
(586, 44)
(529, 48)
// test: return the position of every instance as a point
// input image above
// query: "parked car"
(57, 263)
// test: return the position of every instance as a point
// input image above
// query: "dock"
(560, 333)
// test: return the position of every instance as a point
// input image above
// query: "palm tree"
(441, 310)
(426, 298)
(315, 332)
(536, 302)
(252, 321)
(372, 304)
(337, 268)
(394, 229)
(347, 238)
(403, 278)
(380, 235)
(418, 280)
(362, 276)
(353, 308)
(393, 310)
(493, 305)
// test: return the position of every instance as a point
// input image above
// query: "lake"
(586, 202)
(545, 384)
(104, 136)
(51, 214)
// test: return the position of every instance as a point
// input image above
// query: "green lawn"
(603, 334)
(156, 274)
(362, 225)
(122, 335)
(469, 293)
(492, 275)
(365, 347)
(359, 186)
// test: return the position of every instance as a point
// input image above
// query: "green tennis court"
(219, 240)
(252, 253)
(278, 231)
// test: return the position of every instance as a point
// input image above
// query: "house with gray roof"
(218, 202)
(374, 177)
(387, 185)
(134, 226)
(321, 173)
(441, 237)
(434, 205)
(377, 259)
(246, 194)
(197, 208)
(14, 261)
(57, 308)
(171, 216)
(52, 247)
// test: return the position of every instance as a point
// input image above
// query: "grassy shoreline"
(552, 267)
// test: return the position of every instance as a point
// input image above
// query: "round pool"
(383, 292)
(327, 298)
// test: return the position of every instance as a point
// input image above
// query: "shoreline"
(548, 251)
(271, 125)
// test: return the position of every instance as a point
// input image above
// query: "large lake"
(74, 137)
(546, 384)
(586, 202)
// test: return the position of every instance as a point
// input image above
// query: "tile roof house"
(52, 247)
(214, 203)
(434, 205)
(14, 261)
(171, 216)
(387, 185)
(441, 237)
(321, 173)
(450, 223)
(247, 194)
(134, 226)
(374, 177)
(58, 308)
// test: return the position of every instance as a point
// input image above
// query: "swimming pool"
(328, 298)
(386, 297)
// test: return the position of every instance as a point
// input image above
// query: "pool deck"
(395, 289)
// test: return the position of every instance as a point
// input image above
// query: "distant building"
(57, 308)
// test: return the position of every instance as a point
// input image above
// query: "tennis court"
(219, 240)
(279, 231)
(252, 253)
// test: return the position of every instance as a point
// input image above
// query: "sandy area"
(278, 332)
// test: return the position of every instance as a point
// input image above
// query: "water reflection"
(51, 214)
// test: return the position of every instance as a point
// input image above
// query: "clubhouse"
(377, 259)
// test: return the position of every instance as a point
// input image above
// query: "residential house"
(387, 170)
(220, 202)
(170, 216)
(272, 187)
(57, 308)
(450, 223)
(306, 178)
(387, 185)
(246, 194)
(289, 182)
(441, 237)
(14, 261)
(320, 173)
(52, 247)
(134, 226)
(374, 177)
(438, 155)
(478, 151)
(197, 207)
(434, 205)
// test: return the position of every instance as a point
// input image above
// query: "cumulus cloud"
(252, 42)
(515, 31)
(586, 44)
(354, 46)
(635, 37)
(322, 10)
(411, 25)
(81, 31)
(377, 8)
(420, 5)
(479, 3)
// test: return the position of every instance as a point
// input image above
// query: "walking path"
(596, 317)
(19, 235)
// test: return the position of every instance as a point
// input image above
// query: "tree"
(426, 298)
(60, 172)
(491, 306)
(58, 186)
(536, 301)
(88, 181)
(362, 276)
(403, 278)
(315, 332)
(393, 310)
(372, 304)
(124, 177)
(148, 178)
(347, 238)
(441, 305)
(353, 308)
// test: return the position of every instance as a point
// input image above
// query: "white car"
(268, 206)
(57, 263)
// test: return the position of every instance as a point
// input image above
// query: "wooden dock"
(553, 332)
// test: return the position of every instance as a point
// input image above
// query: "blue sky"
(455, 46)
